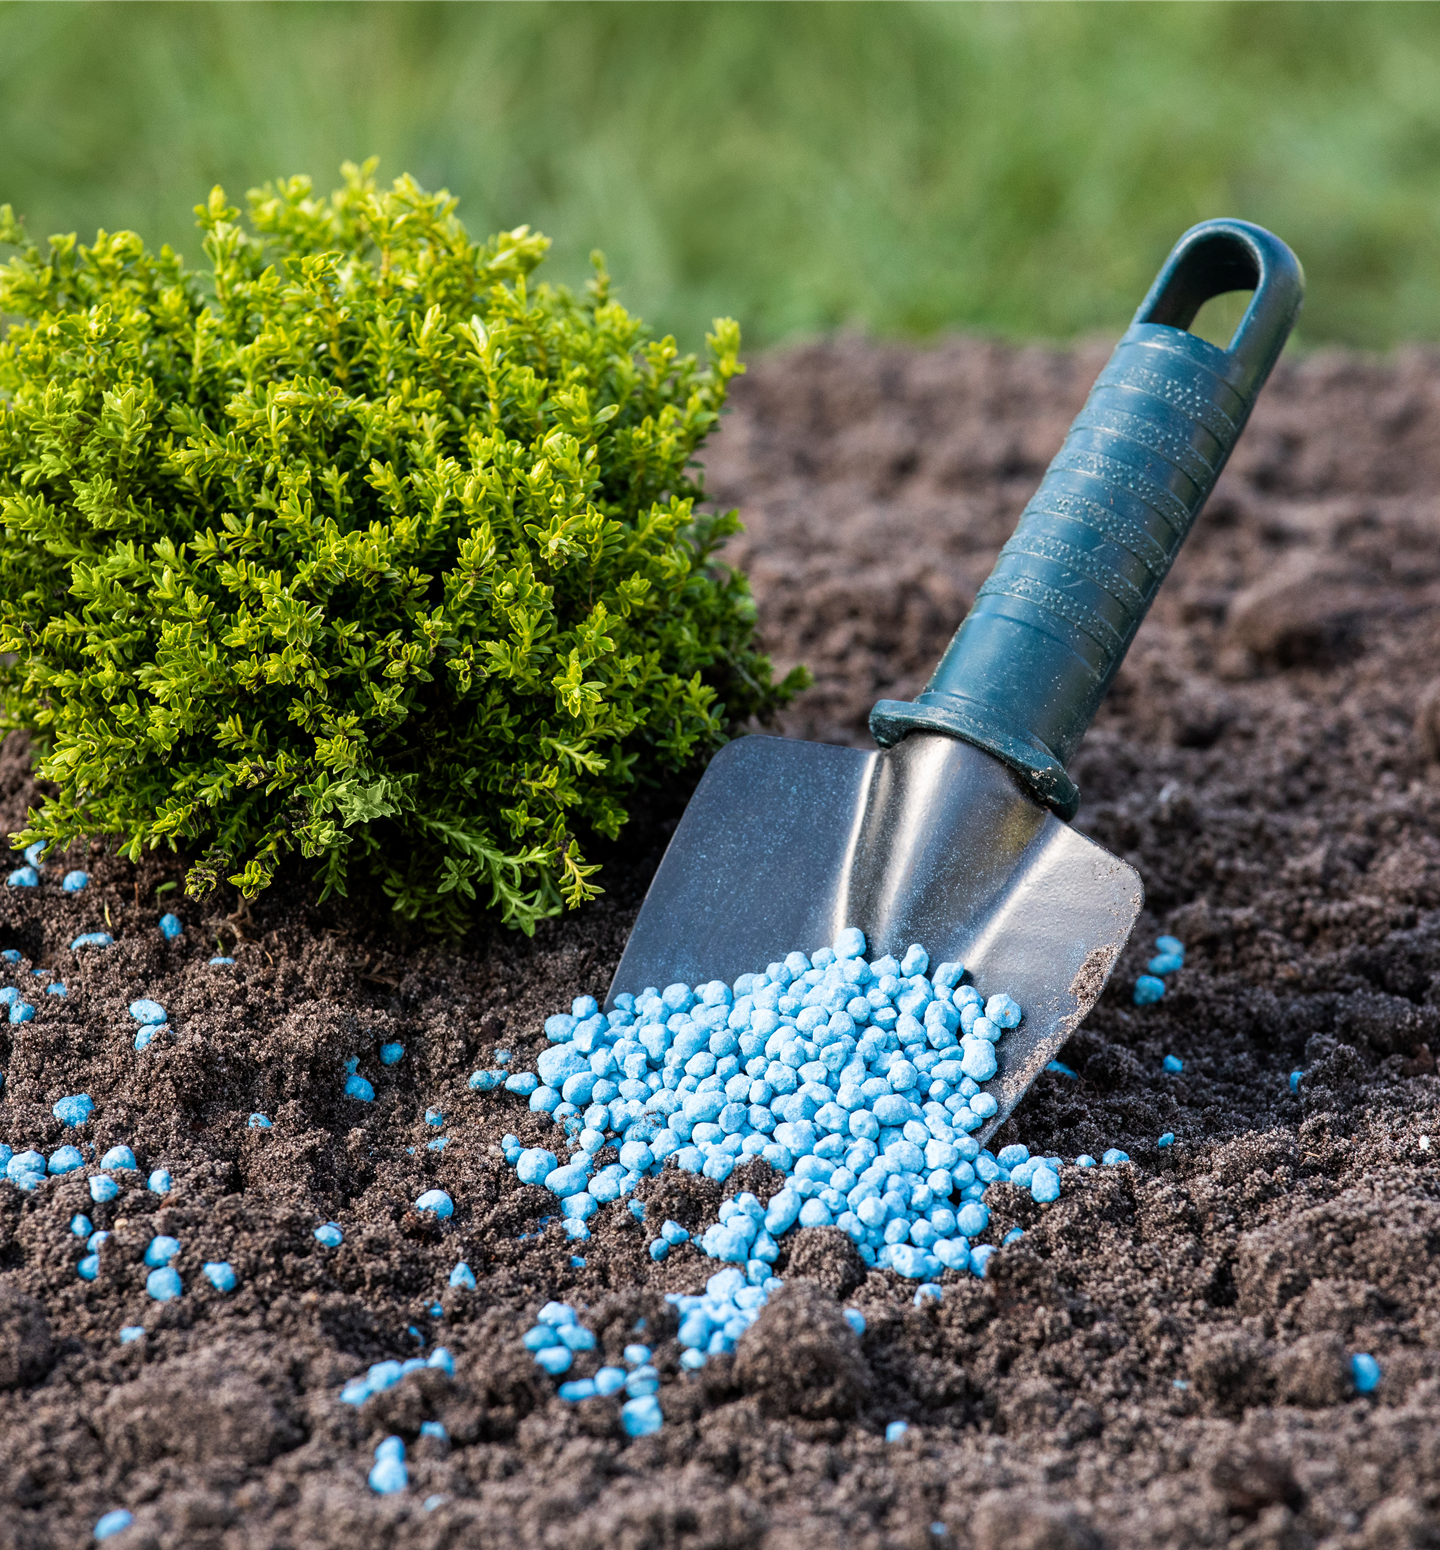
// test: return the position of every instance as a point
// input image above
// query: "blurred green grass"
(900, 168)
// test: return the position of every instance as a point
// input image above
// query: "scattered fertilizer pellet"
(356, 1086)
(1171, 946)
(390, 1054)
(1295, 1077)
(434, 1117)
(55, 988)
(75, 1109)
(258, 1122)
(92, 939)
(220, 1274)
(21, 1012)
(1168, 1139)
(1148, 989)
(1061, 1069)
(162, 1249)
(65, 1159)
(119, 1159)
(389, 1473)
(856, 1320)
(436, 1200)
(219, 959)
(896, 1430)
(159, 1182)
(330, 1234)
(931, 1291)
(463, 1276)
(1115, 1156)
(1173, 1064)
(1085, 1160)
(112, 1523)
(147, 1012)
(171, 927)
(89, 1267)
(73, 882)
(1365, 1370)
(130, 1333)
(81, 1226)
(641, 1417)
(163, 1284)
(34, 851)
(23, 877)
(95, 1239)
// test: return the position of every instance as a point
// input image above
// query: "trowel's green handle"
(1028, 668)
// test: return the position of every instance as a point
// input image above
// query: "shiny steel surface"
(931, 841)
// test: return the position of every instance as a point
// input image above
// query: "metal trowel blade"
(785, 843)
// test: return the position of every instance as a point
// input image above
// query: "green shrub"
(359, 546)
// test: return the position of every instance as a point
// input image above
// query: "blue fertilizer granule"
(73, 882)
(34, 851)
(896, 1430)
(102, 1189)
(434, 1118)
(1295, 1077)
(171, 927)
(1115, 1156)
(81, 1226)
(330, 1235)
(435, 1429)
(390, 1054)
(1061, 1069)
(357, 1087)
(1365, 1370)
(856, 1320)
(112, 1523)
(1168, 1139)
(147, 1012)
(162, 1249)
(1173, 1064)
(258, 1122)
(219, 959)
(220, 1274)
(55, 988)
(159, 1182)
(130, 1333)
(119, 1159)
(641, 1417)
(164, 1284)
(1171, 947)
(65, 1159)
(92, 939)
(436, 1200)
(389, 1473)
(1148, 990)
(21, 1012)
(75, 1109)
(24, 877)
(463, 1276)
(89, 1267)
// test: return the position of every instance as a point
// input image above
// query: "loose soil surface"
(1161, 1360)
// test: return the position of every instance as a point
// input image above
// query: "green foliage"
(359, 546)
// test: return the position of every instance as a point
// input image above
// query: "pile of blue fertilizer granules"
(858, 1081)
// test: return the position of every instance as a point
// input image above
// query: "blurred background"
(902, 169)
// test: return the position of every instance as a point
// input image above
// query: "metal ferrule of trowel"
(954, 832)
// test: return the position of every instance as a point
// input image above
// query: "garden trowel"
(954, 832)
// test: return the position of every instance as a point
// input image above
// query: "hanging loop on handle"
(1032, 660)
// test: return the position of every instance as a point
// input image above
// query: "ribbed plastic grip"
(1034, 657)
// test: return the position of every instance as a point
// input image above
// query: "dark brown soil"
(1161, 1360)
